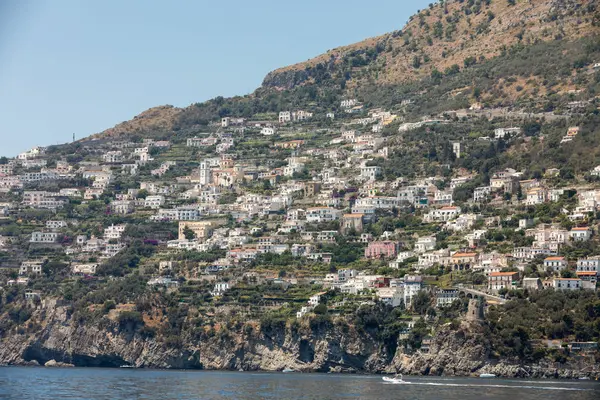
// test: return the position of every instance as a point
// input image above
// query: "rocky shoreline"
(464, 351)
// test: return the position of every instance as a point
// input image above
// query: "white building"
(425, 244)
(556, 264)
(442, 214)
(268, 131)
(582, 234)
(400, 258)
(370, 172)
(376, 202)
(391, 296)
(205, 173)
(122, 206)
(315, 299)
(412, 285)
(86, 269)
(154, 201)
(114, 231)
(285, 116)
(501, 133)
(30, 267)
(113, 157)
(112, 249)
(445, 297)
(56, 224)
(481, 193)
(456, 149)
(567, 283)
(348, 103)
(443, 198)
(322, 214)
(220, 288)
(43, 237)
(589, 265)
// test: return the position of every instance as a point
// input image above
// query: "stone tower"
(475, 310)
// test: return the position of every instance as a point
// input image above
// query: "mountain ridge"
(445, 39)
(445, 34)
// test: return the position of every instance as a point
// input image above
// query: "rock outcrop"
(464, 351)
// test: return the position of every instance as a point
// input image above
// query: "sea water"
(94, 383)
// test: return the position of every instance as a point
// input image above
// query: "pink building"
(381, 249)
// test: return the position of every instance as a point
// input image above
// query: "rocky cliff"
(335, 347)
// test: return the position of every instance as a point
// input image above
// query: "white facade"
(268, 131)
(442, 215)
(481, 193)
(322, 214)
(86, 269)
(557, 264)
(154, 201)
(412, 285)
(205, 173)
(43, 237)
(56, 224)
(370, 172)
(377, 202)
(391, 296)
(425, 244)
(315, 299)
(220, 288)
(30, 267)
(566, 283)
(114, 231)
(589, 265)
(456, 149)
(501, 133)
(113, 157)
(446, 297)
(122, 206)
(580, 234)
(285, 116)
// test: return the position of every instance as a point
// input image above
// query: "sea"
(94, 383)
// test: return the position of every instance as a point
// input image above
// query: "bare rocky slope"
(445, 34)
(458, 352)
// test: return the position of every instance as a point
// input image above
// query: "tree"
(142, 194)
(188, 233)
(421, 302)
(320, 309)
(416, 62)
(565, 273)
(470, 61)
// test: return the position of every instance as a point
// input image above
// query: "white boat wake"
(391, 381)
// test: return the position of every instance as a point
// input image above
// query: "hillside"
(446, 34)
(442, 222)
(452, 54)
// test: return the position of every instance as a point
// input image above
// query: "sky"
(76, 66)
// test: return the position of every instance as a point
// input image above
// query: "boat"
(286, 370)
(584, 378)
(395, 379)
(126, 366)
(487, 376)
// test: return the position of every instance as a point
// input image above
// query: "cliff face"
(337, 348)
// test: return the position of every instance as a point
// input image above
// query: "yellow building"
(201, 229)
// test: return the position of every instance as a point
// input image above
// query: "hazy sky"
(79, 66)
